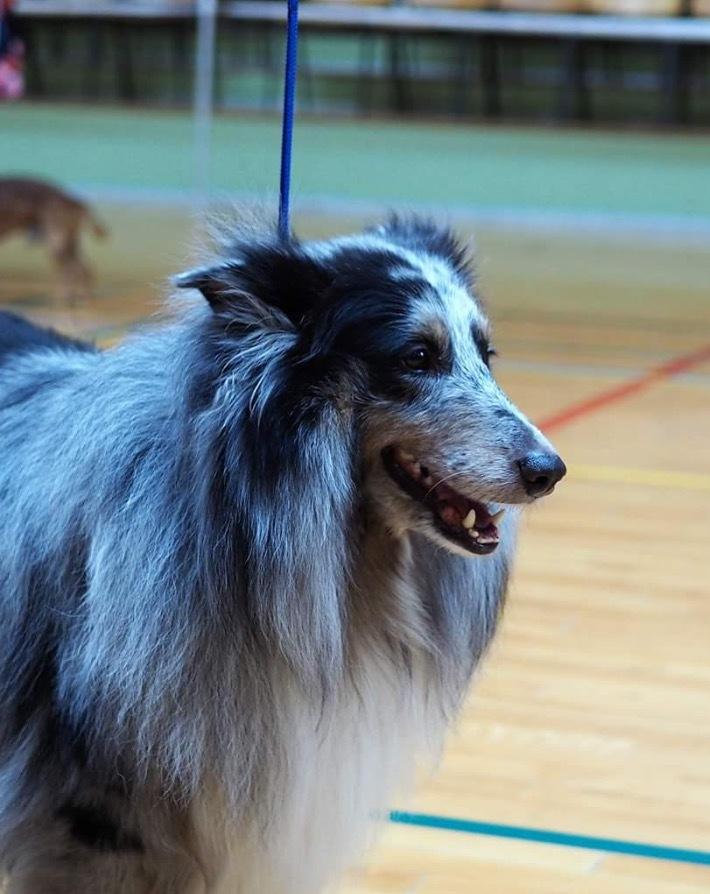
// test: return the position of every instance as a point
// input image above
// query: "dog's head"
(387, 324)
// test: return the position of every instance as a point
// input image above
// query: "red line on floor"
(612, 395)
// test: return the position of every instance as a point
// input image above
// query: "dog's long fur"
(226, 637)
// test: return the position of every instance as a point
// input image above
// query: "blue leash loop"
(288, 113)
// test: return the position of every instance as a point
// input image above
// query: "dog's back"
(19, 336)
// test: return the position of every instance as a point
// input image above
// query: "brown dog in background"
(50, 215)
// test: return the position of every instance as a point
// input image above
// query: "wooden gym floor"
(592, 715)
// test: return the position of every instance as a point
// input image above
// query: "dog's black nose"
(541, 472)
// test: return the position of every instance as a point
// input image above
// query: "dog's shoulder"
(19, 336)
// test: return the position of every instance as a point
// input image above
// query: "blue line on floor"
(547, 836)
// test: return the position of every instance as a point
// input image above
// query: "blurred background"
(569, 141)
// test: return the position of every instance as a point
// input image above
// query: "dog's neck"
(386, 603)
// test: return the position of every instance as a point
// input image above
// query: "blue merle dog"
(249, 561)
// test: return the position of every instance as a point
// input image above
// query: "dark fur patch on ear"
(422, 234)
(278, 274)
(216, 283)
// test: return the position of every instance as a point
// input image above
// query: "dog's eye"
(419, 359)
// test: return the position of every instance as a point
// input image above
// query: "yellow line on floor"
(648, 477)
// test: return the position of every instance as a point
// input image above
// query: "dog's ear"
(216, 282)
(421, 234)
(279, 276)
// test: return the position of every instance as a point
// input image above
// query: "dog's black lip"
(419, 493)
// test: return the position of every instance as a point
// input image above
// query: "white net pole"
(204, 93)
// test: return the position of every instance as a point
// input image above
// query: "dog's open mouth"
(466, 522)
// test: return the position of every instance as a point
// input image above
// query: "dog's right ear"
(279, 277)
(219, 283)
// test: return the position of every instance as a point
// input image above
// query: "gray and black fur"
(226, 633)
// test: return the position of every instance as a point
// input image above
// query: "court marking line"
(590, 371)
(694, 481)
(549, 836)
(612, 395)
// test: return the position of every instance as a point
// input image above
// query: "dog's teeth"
(405, 457)
(470, 519)
(473, 533)
(495, 519)
(415, 469)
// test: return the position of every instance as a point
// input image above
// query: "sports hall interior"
(581, 181)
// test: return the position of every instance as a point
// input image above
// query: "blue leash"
(288, 112)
